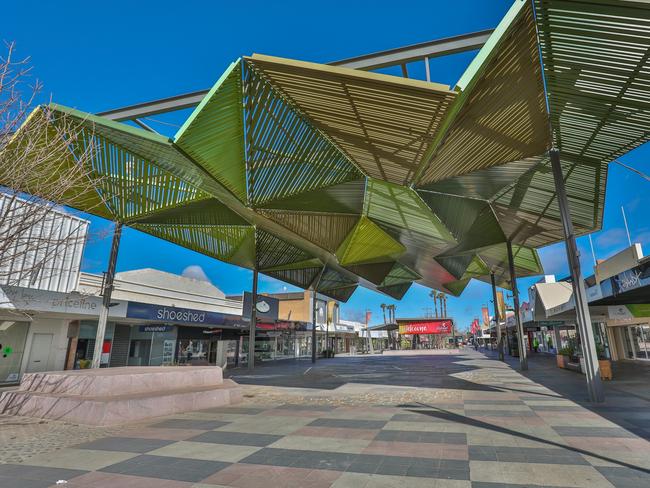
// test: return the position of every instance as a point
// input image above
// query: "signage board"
(156, 328)
(179, 315)
(266, 307)
(425, 326)
(630, 311)
(551, 323)
(28, 299)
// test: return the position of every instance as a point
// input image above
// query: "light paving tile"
(82, 459)
(360, 480)
(98, 479)
(223, 417)
(549, 474)
(206, 451)
(325, 444)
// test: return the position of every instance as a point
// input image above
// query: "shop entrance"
(39, 354)
(637, 343)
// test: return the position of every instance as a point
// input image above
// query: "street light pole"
(523, 354)
(253, 325)
(107, 292)
(496, 317)
(594, 383)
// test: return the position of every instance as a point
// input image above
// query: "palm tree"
(383, 310)
(434, 294)
(443, 304)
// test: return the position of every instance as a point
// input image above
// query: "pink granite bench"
(112, 396)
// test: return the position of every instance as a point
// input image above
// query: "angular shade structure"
(300, 170)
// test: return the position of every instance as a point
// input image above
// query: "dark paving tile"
(236, 438)
(348, 424)
(167, 468)
(125, 444)
(622, 477)
(415, 436)
(196, 424)
(498, 413)
(360, 463)
(415, 417)
(593, 432)
(23, 476)
(525, 455)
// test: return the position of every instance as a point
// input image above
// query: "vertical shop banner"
(502, 305)
(486, 317)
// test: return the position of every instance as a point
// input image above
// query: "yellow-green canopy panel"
(335, 178)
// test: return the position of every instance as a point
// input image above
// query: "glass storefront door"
(639, 342)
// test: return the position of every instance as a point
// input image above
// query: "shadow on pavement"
(627, 396)
(398, 371)
(454, 417)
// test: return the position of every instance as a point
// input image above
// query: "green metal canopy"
(332, 177)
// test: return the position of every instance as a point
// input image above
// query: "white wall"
(59, 329)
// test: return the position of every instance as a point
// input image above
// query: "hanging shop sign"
(427, 326)
(265, 308)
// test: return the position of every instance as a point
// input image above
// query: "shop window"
(12, 345)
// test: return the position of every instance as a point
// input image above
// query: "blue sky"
(100, 55)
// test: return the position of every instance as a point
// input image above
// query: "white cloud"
(612, 237)
(195, 272)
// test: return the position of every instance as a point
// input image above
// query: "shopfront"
(426, 333)
(13, 337)
(636, 340)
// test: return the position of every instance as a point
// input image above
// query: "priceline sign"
(425, 327)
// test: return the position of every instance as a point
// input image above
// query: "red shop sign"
(425, 327)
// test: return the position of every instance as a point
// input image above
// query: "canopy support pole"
(313, 325)
(253, 325)
(107, 292)
(496, 317)
(594, 383)
(523, 354)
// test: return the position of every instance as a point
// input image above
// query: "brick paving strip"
(472, 422)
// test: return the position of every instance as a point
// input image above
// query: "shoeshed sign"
(177, 315)
(425, 327)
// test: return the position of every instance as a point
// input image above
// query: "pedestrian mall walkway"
(462, 420)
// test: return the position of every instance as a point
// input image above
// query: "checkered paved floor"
(519, 436)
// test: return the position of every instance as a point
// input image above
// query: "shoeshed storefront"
(157, 335)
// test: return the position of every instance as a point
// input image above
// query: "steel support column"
(496, 317)
(107, 292)
(253, 325)
(523, 354)
(594, 383)
(313, 325)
